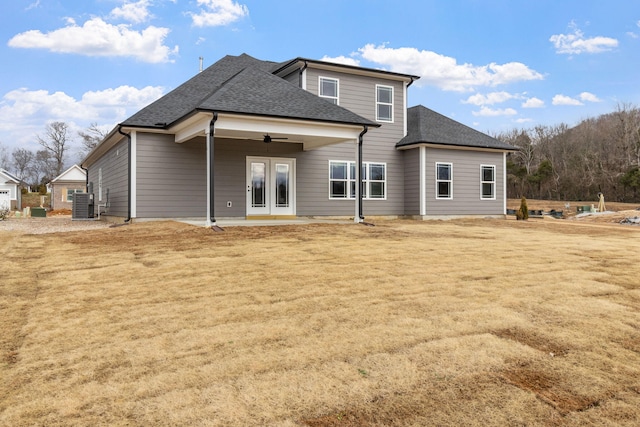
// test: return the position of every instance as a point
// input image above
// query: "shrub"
(4, 213)
(523, 212)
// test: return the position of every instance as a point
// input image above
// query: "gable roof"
(243, 85)
(74, 173)
(425, 126)
(10, 178)
(294, 63)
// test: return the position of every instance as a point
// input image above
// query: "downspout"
(86, 183)
(304, 67)
(86, 178)
(212, 217)
(128, 135)
(359, 173)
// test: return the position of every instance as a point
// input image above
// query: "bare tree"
(91, 137)
(55, 143)
(44, 168)
(22, 162)
(4, 157)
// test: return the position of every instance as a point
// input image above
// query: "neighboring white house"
(73, 180)
(9, 190)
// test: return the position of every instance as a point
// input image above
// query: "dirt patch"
(550, 390)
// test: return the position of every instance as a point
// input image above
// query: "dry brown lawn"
(470, 322)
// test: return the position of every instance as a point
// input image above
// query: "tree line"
(599, 155)
(36, 168)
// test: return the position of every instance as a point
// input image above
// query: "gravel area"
(56, 224)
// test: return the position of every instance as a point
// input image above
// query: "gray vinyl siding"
(412, 182)
(358, 94)
(466, 182)
(115, 172)
(171, 178)
(293, 78)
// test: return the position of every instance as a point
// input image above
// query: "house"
(62, 188)
(247, 138)
(10, 196)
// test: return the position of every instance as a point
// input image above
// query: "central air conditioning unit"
(82, 206)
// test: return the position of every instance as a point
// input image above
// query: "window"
(384, 103)
(444, 181)
(342, 180)
(487, 182)
(70, 193)
(328, 89)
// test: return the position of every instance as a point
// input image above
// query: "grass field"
(469, 322)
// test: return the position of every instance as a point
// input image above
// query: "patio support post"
(211, 218)
(359, 216)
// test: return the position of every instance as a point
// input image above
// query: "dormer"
(377, 95)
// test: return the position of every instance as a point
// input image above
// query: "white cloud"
(632, 34)
(33, 5)
(490, 98)
(133, 12)
(589, 97)
(25, 112)
(341, 60)
(215, 13)
(523, 120)
(443, 71)
(533, 103)
(98, 38)
(490, 112)
(565, 100)
(576, 43)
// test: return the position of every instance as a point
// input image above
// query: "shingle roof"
(12, 178)
(427, 126)
(241, 84)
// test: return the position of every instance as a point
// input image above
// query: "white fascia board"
(311, 134)
(197, 125)
(455, 147)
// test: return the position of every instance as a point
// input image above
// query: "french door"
(271, 186)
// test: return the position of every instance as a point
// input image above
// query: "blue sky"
(494, 65)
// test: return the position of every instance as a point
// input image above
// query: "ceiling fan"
(268, 138)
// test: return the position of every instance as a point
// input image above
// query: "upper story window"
(384, 103)
(444, 181)
(487, 182)
(328, 89)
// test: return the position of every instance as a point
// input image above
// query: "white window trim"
(378, 119)
(337, 97)
(450, 197)
(365, 180)
(488, 182)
